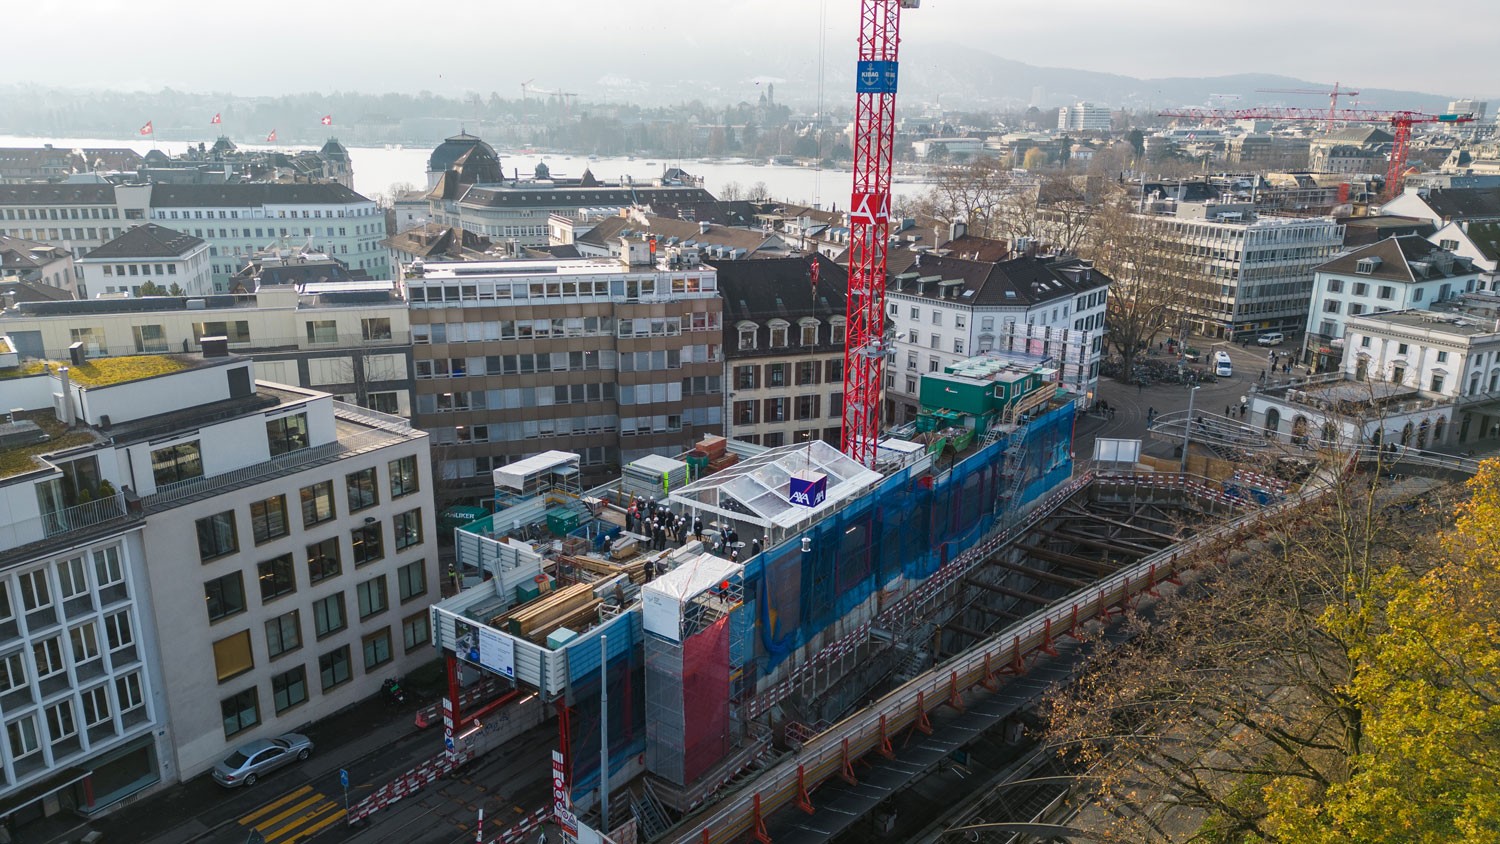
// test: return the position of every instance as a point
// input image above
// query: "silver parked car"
(254, 760)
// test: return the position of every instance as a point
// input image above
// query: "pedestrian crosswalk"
(293, 817)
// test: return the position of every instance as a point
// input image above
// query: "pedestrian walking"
(1243, 407)
(1150, 414)
(1227, 411)
(1262, 378)
(1139, 386)
(698, 527)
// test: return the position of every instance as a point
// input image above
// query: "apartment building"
(1084, 117)
(147, 254)
(192, 559)
(348, 338)
(237, 220)
(784, 349)
(1395, 274)
(1249, 272)
(612, 359)
(943, 310)
(37, 263)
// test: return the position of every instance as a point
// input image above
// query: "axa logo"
(806, 499)
(869, 207)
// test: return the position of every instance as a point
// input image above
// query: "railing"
(182, 345)
(832, 753)
(373, 418)
(58, 523)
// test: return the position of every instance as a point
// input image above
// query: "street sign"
(343, 778)
(448, 742)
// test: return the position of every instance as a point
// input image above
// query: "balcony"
(20, 535)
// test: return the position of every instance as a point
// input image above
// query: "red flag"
(327, 120)
(271, 138)
(147, 130)
(216, 119)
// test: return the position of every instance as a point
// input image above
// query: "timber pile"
(574, 607)
(636, 568)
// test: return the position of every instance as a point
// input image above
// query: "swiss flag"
(147, 130)
(327, 120)
(217, 120)
(271, 138)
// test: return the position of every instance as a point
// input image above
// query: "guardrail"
(833, 752)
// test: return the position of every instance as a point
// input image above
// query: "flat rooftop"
(449, 270)
(108, 372)
(1444, 319)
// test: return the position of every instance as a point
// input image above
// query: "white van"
(1270, 338)
(1223, 368)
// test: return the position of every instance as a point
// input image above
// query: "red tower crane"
(1333, 97)
(1400, 121)
(869, 223)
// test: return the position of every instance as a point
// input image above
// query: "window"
(1386, 291)
(236, 333)
(837, 331)
(1335, 285)
(1331, 306)
(415, 631)
(85, 643)
(1365, 266)
(747, 336)
(377, 647)
(958, 346)
(1416, 294)
(1364, 342)
(118, 632)
(177, 463)
(375, 328)
(12, 671)
(225, 596)
(128, 692)
(96, 706)
(60, 721)
(1449, 245)
(367, 544)
(72, 577)
(1355, 309)
(317, 503)
(1361, 288)
(289, 433)
(328, 615)
(408, 529)
(149, 339)
(810, 334)
(240, 712)
(1437, 383)
(232, 656)
(278, 577)
(372, 597)
(411, 580)
(779, 335)
(403, 476)
(323, 560)
(1401, 348)
(776, 375)
(107, 568)
(322, 332)
(268, 519)
(289, 689)
(1442, 357)
(47, 654)
(933, 364)
(22, 736)
(362, 492)
(334, 667)
(284, 634)
(217, 536)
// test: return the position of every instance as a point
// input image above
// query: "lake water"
(377, 168)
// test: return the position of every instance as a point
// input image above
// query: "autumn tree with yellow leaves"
(1333, 680)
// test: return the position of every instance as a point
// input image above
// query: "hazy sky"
(280, 46)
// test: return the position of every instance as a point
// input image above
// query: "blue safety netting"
(625, 670)
(909, 526)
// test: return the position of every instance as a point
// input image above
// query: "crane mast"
(869, 223)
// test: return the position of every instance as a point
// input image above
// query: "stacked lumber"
(713, 446)
(539, 617)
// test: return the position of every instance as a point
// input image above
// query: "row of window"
(72, 578)
(289, 688)
(775, 410)
(65, 234)
(82, 644)
(804, 373)
(630, 288)
(807, 333)
(514, 329)
(98, 706)
(283, 214)
(182, 462)
(218, 535)
(91, 213)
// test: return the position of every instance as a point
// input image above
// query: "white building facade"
(148, 254)
(945, 310)
(1084, 117)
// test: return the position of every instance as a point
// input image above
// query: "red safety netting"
(705, 698)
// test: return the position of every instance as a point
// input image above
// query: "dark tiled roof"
(20, 253)
(450, 149)
(88, 194)
(29, 291)
(1486, 237)
(609, 230)
(564, 250)
(1459, 203)
(1394, 254)
(251, 195)
(437, 240)
(1021, 282)
(148, 241)
(778, 288)
(1363, 231)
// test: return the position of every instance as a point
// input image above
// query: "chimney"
(957, 229)
(65, 403)
(703, 227)
(75, 354)
(215, 347)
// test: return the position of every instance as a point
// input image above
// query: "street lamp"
(1187, 427)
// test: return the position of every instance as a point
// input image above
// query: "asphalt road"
(1131, 403)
